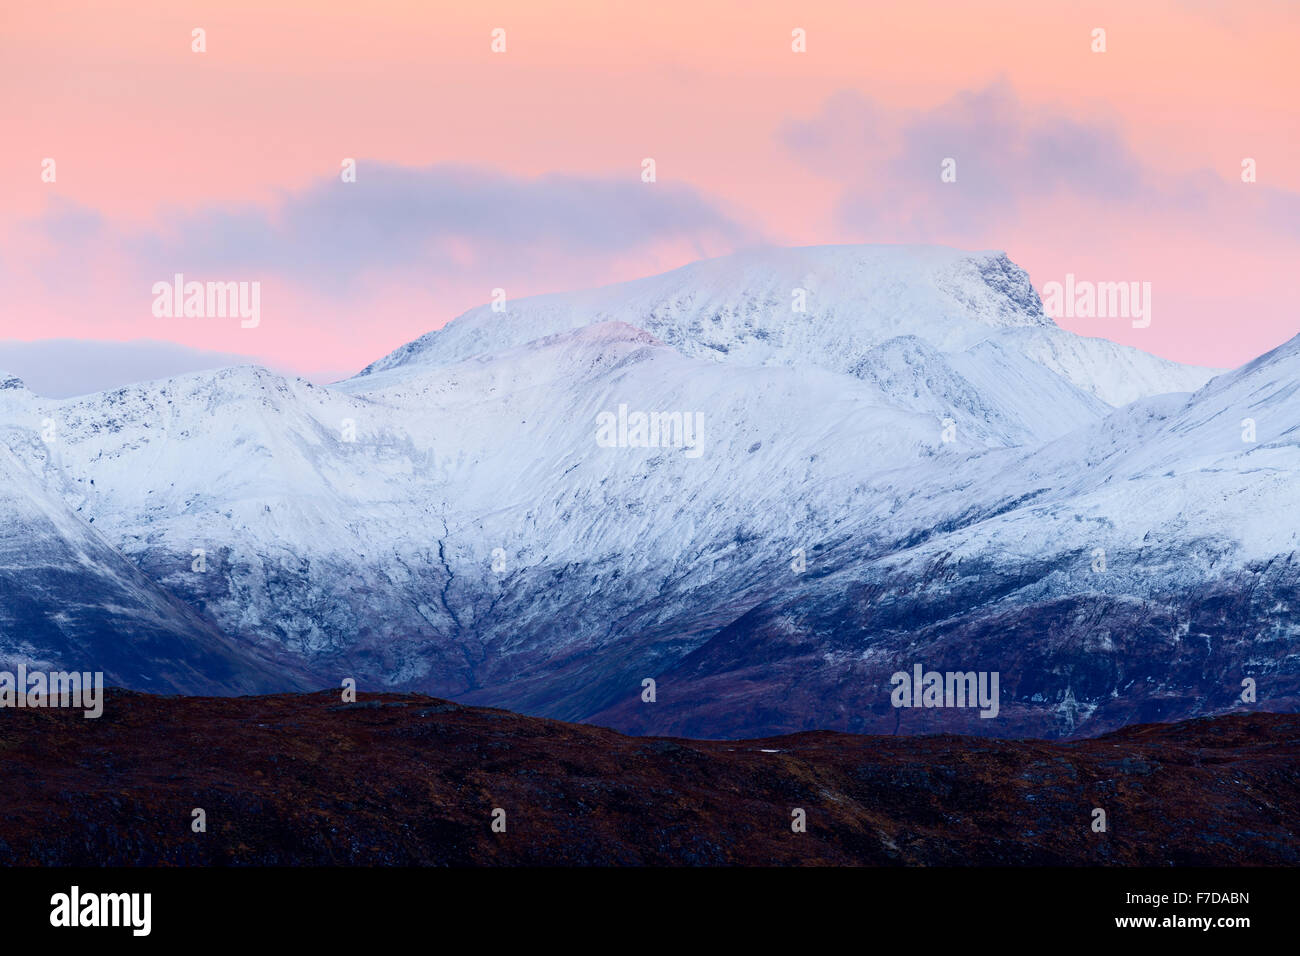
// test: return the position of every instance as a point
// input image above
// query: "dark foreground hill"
(304, 779)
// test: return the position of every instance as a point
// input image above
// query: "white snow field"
(937, 452)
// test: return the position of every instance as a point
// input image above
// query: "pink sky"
(1123, 165)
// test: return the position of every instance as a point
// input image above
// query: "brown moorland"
(392, 779)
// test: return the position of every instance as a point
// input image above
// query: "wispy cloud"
(394, 219)
(1010, 159)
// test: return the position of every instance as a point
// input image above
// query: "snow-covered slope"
(1143, 568)
(746, 307)
(919, 467)
(383, 544)
(1114, 373)
(828, 306)
(70, 600)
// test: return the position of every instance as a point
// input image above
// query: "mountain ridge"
(458, 528)
(950, 298)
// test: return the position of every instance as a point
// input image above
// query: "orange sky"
(155, 143)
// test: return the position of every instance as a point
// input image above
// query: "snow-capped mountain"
(828, 306)
(682, 478)
(70, 600)
(1142, 568)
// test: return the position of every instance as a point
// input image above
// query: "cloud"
(348, 271)
(68, 223)
(395, 218)
(1010, 158)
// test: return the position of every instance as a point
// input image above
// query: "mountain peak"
(769, 305)
(827, 307)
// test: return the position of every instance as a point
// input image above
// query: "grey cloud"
(395, 218)
(1009, 156)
